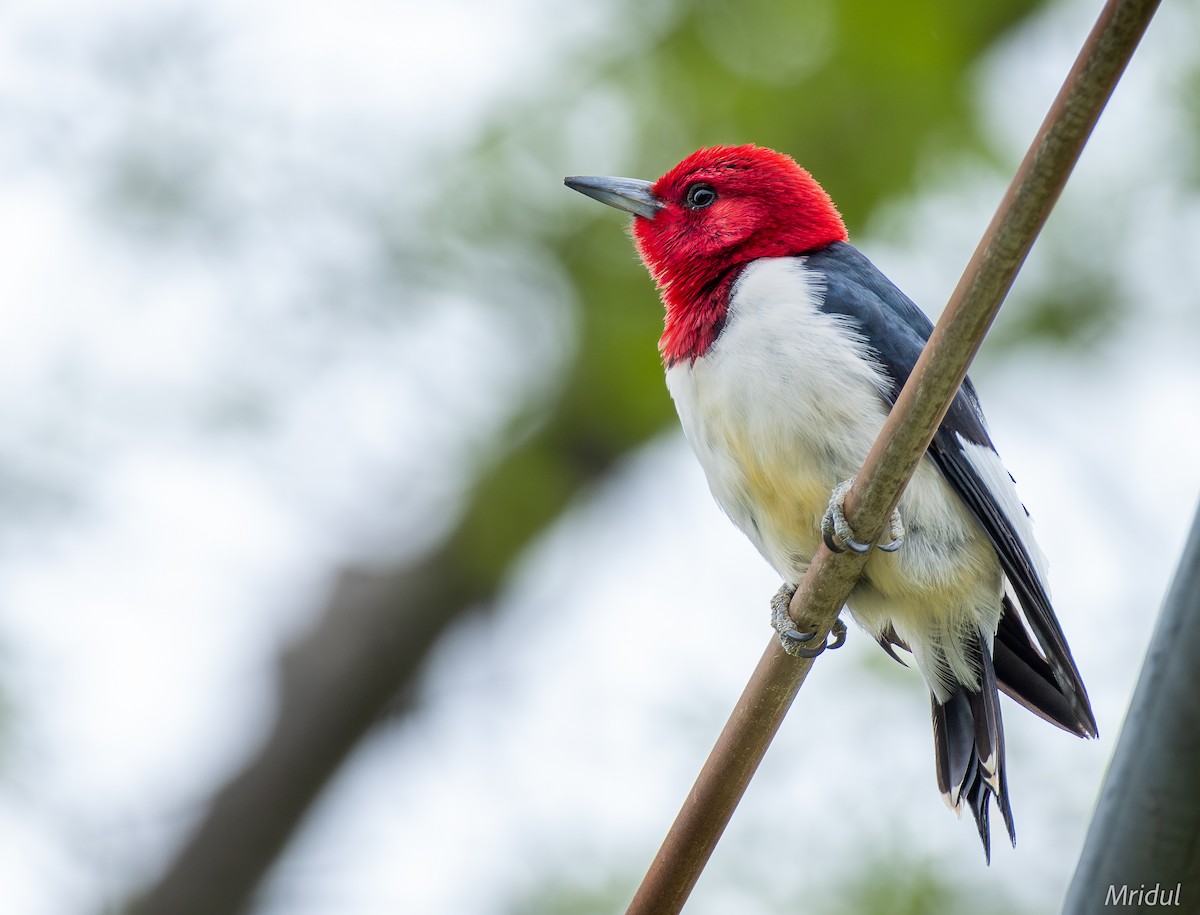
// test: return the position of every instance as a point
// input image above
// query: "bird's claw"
(792, 639)
(839, 536)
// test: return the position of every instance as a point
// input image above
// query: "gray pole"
(1145, 833)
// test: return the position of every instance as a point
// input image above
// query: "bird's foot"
(839, 536)
(794, 641)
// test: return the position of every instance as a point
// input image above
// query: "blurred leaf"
(561, 896)
(895, 886)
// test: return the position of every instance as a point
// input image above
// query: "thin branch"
(899, 448)
(1146, 829)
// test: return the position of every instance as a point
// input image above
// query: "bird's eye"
(700, 196)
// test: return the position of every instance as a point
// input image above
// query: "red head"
(701, 222)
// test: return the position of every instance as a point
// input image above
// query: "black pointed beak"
(629, 194)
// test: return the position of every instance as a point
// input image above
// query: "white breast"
(781, 408)
(784, 406)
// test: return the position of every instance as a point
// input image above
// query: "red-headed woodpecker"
(784, 350)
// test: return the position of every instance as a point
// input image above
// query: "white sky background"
(186, 448)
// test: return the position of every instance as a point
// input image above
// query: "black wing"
(1038, 672)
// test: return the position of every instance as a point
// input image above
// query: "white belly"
(784, 406)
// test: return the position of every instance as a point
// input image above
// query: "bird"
(784, 348)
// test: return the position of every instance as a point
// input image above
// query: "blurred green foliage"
(889, 885)
(856, 92)
(899, 887)
(860, 93)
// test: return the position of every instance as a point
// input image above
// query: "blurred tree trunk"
(370, 642)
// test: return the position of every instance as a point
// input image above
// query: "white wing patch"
(986, 463)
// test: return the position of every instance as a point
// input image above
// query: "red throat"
(766, 206)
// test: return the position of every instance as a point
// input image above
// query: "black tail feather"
(978, 798)
(969, 750)
(954, 743)
(1026, 676)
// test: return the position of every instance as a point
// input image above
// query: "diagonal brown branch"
(898, 450)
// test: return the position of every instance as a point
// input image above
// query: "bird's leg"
(791, 638)
(836, 530)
